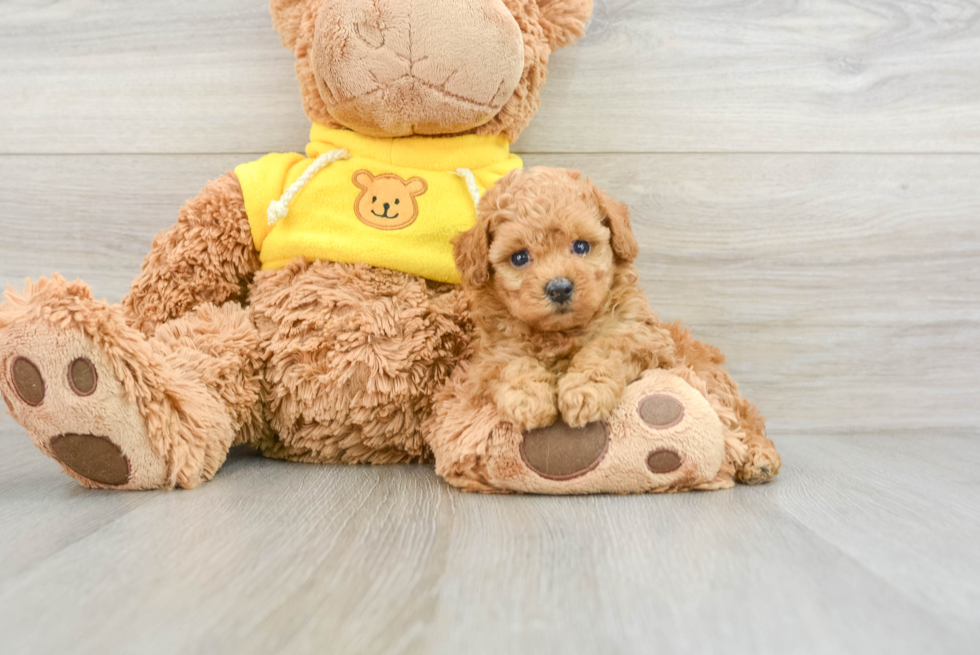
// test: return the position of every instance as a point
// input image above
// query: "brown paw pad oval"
(661, 411)
(28, 381)
(82, 377)
(560, 452)
(663, 461)
(92, 457)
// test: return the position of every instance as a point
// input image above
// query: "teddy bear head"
(392, 68)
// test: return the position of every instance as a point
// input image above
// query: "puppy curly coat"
(561, 325)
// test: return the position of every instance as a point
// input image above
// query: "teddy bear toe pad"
(27, 381)
(661, 411)
(664, 461)
(663, 436)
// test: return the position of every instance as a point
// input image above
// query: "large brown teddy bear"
(306, 305)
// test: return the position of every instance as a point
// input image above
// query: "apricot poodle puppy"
(562, 326)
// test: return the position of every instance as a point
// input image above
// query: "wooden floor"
(863, 546)
(805, 185)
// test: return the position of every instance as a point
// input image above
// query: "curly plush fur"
(317, 362)
(536, 359)
(325, 362)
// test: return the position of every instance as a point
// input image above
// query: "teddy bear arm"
(208, 256)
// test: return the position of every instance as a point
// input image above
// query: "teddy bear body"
(315, 316)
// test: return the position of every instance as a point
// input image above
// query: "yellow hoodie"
(392, 203)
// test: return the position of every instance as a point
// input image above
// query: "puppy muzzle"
(560, 291)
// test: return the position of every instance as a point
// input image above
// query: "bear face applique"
(387, 202)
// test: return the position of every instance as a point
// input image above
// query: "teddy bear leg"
(459, 431)
(663, 436)
(355, 355)
(118, 410)
(752, 454)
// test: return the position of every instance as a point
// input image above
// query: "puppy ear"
(287, 19)
(617, 219)
(564, 20)
(471, 250)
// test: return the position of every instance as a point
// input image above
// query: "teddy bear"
(288, 312)
(307, 304)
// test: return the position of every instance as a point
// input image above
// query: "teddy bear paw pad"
(93, 457)
(561, 452)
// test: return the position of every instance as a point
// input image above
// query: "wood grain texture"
(106, 76)
(845, 289)
(861, 546)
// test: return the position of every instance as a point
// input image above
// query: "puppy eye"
(374, 199)
(397, 201)
(581, 247)
(520, 259)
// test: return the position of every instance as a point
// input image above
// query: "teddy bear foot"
(95, 395)
(662, 437)
(60, 387)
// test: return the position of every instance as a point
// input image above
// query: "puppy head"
(546, 244)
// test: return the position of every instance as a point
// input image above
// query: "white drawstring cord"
(280, 208)
(471, 185)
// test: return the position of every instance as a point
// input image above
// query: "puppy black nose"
(559, 290)
(387, 205)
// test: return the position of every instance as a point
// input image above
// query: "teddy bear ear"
(287, 16)
(363, 178)
(417, 186)
(564, 20)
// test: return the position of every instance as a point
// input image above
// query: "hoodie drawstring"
(278, 209)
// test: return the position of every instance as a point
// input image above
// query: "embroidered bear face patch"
(387, 202)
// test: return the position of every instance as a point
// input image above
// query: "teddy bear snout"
(370, 31)
(392, 68)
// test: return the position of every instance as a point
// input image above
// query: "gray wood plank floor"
(651, 76)
(804, 184)
(863, 546)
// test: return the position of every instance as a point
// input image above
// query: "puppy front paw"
(527, 408)
(582, 400)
